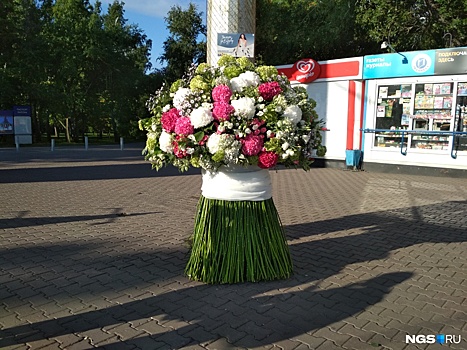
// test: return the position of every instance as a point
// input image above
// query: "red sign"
(306, 70)
(334, 69)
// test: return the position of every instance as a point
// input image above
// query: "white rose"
(243, 80)
(213, 143)
(201, 117)
(251, 78)
(237, 84)
(165, 142)
(244, 107)
(293, 113)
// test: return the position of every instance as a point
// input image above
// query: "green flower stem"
(238, 241)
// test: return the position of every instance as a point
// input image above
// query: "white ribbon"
(237, 183)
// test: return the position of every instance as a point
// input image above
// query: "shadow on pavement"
(247, 320)
(89, 172)
(255, 314)
(52, 220)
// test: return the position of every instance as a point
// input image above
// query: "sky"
(149, 16)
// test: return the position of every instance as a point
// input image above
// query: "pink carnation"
(252, 145)
(269, 90)
(222, 111)
(221, 93)
(169, 119)
(267, 159)
(183, 126)
(178, 151)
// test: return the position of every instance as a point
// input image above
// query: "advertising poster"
(22, 111)
(390, 65)
(236, 44)
(22, 125)
(6, 123)
(451, 61)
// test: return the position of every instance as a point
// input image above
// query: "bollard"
(121, 143)
(17, 143)
(86, 142)
(52, 145)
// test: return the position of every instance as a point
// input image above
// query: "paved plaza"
(93, 245)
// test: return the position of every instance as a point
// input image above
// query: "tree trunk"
(67, 129)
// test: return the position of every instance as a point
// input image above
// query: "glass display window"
(419, 107)
(392, 113)
(432, 111)
(460, 119)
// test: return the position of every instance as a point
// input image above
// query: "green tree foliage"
(291, 29)
(414, 24)
(183, 47)
(287, 30)
(76, 66)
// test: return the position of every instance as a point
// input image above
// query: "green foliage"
(415, 24)
(76, 66)
(183, 47)
(289, 30)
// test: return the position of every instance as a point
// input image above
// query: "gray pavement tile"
(376, 256)
(220, 344)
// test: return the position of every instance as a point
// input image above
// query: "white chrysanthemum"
(243, 80)
(201, 117)
(213, 143)
(251, 78)
(218, 142)
(165, 142)
(238, 84)
(293, 113)
(180, 97)
(244, 107)
(232, 152)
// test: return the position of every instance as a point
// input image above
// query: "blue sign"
(23, 111)
(407, 64)
(236, 44)
(6, 122)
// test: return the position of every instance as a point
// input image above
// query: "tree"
(414, 24)
(126, 62)
(289, 30)
(183, 47)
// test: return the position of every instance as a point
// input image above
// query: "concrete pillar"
(228, 16)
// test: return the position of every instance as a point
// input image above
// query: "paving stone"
(221, 344)
(45, 344)
(312, 342)
(338, 338)
(370, 262)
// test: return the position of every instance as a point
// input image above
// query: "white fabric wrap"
(237, 183)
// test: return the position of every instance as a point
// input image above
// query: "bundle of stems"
(238, 241)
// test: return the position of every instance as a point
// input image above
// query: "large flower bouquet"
(234, 121)
(235, 113)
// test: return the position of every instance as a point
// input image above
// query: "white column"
(228, 16)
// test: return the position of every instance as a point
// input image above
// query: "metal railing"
(403, 133)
